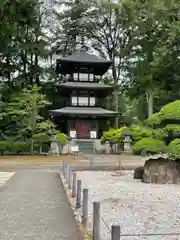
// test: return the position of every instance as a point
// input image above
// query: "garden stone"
(161, 171)
(138, 173)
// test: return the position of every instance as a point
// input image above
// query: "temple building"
(81, 114)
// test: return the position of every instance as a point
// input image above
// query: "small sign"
(93, 134)
(75, 148)
(73, 134)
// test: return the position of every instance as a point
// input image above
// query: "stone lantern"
(127, 141)
(54, 147)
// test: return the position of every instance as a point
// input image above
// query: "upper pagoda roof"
(84, 59)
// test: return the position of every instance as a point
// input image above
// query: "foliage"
(114, 136)
(140, 132)
(174, 148)
(173, 129)
(171, 111)
(62, 139)
(22, 114)
(149, 146)
(19, 147)
(167, 114)
(5, 146)
(15, 147)
(154, 119)
(160, 133)
(117, 135)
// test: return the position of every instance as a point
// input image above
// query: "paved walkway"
(33, 206)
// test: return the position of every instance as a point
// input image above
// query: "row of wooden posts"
(81, 196)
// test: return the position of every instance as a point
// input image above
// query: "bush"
(5, 146)
(149, 146)
(171, 111)
(14, 147)
(114, 135)
(62, 138)
(20, 147)
(140, 132)
(174, 148)
(154, 119)
(173, 128)
(160, 133)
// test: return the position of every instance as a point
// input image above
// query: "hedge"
(149, 146)
(174, 148)
(20, 147)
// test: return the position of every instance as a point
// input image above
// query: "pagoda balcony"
(72, 78)
(68, 103)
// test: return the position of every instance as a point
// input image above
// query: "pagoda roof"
(96, 111)
(85, 85)
(84, 59)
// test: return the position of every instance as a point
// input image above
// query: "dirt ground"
(39, 160)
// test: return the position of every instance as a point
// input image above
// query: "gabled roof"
(96, 111)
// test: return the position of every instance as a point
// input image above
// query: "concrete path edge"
(85, 233)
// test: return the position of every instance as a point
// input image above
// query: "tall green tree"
(23, 114)
(154, 50)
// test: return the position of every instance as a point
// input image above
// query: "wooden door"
(82, 129)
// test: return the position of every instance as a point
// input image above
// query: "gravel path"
(33, 206)
(137, 207)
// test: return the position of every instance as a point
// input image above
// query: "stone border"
(87, 234)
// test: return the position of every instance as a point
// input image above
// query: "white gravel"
(137, 207)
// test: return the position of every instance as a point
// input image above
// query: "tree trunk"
(116, 101)
(116, 97)
(149, 97)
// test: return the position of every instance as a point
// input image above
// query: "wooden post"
(115, 232)
(85, 208)
(69, 179)
(78, 196)
(96, 221)
(74, 185)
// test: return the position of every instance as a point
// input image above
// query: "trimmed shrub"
(160, 133)
(154, 119)
(140, 132)
(114, 135)
(171, 111)
(20, 147)
(5, 146)
(62, 138)
(173, 128)
(174, 148)
(149, 146)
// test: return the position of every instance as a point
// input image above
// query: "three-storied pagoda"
(80, 92)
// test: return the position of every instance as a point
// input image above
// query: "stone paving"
(34, 206)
